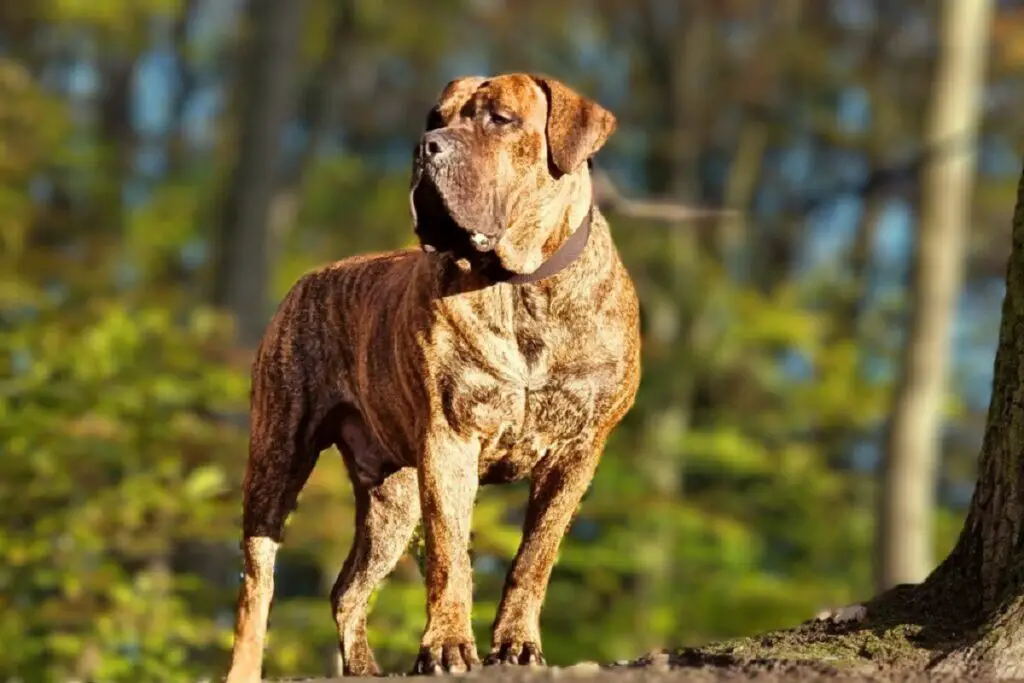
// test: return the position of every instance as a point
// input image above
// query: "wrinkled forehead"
(509, 93)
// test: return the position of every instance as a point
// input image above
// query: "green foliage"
(114, 17)
(31, 128)
(114, 458)
(110, 463)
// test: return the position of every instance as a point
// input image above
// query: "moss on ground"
(901, 632)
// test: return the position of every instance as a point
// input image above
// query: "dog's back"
(320, 338)
(326, 310)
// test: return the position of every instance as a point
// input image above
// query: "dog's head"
(502, 164)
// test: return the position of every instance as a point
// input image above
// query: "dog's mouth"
(438, 231)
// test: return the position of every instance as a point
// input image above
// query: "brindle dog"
(507, 347)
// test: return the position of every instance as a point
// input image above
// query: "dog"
(506, 347)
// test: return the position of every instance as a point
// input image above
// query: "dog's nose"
(435, 145)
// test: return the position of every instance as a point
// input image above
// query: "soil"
(696, 667)
(813, 651)
(898, 639)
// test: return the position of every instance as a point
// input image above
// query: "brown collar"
(564, 256)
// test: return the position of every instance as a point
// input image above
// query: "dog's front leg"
(557, 487)
(448, 478)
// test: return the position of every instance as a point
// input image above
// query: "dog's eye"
(500, 119)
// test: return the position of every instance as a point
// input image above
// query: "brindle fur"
(432, 379)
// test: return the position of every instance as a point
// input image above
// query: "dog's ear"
(577, 127)
(452, 98)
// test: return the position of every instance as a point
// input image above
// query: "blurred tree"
(317, 115)
(907, 499)
(266, 100)
(680, 57)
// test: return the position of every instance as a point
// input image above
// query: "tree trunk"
(319, 106)
(118, 136)
(176, 148)
(267, 93)
(983, 575)
(904, 531)
(679, 55)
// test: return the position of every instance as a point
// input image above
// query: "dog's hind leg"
(282, 453)
(386, 516)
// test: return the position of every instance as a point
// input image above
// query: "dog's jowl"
(505, 347)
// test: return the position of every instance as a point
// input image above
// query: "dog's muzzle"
(436, 146)
(437, 229)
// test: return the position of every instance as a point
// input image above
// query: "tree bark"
(906, 501)
(984, 574)
(268, 89)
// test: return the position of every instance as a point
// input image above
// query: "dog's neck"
(564, 242)
(564, 256)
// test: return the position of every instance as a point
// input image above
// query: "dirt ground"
(721, 668)
(868, 650)
(905, 634)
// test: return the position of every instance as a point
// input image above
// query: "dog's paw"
(521, 654)
(441, 659)
(359, 662)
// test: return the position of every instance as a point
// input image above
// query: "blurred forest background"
(169, 167)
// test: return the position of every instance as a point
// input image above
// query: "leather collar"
(570, 250)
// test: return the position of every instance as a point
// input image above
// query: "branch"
(609, 198)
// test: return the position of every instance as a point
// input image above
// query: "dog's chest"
(515, 391)
(523, 423)
(539, 385)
